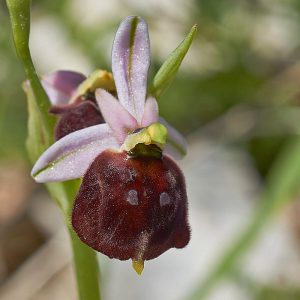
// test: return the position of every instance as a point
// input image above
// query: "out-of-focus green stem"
(40, 136)
(85, 261)
(19, 11)
(86, 268)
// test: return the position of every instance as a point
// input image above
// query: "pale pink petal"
(60, 85)
(115, 115)
(150, 112)
(71, 156)
(130, 64)
(176, 143)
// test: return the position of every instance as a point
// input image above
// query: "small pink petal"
(115, 115)
(71, 156)
(60, 85)
(130, 64)
(176, 143)
(150, 112)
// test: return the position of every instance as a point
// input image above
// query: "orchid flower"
(132, 202)
(60, 86)
(72, 96)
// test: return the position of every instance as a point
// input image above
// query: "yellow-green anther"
(156, 134)
(98, 79)
(141, 137)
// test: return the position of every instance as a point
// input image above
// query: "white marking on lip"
(164, 199)
(132, 197)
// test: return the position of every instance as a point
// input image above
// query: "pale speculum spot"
(132, 197)
(164, 199)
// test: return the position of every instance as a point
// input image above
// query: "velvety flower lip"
(69, 157)
(132, 208)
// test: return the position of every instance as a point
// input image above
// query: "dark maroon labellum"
(76, 116)
(132, 208)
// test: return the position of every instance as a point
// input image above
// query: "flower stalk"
(40, 137)
(20, 22)
(86, 268)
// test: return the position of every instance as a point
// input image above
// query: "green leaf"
(19, 11)
(283, 185)
(168, 70)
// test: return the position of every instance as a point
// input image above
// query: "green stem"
(19, 11)
(40, 136)
(86, 268)
(85, 260)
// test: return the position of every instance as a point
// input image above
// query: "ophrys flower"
(132, 202)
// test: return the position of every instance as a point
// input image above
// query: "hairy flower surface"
(132, 202)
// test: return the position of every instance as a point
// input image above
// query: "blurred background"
(236, 98)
